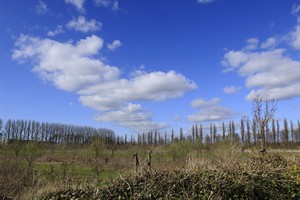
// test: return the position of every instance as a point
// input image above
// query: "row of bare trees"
(262, 129)
(30, 130)
(245, 132)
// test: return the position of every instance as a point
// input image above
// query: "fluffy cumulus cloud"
(269, 71)
(72, 66)
(78, 4)
(231, 89)
(210, 110)
(114, 45)
(68, 66)
(81, 24)
(154, 86)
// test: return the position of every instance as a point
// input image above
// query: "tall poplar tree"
(201, 134)
(248, 132)
(273, 131)
(286, 131)
(292, 130)
(242, 131)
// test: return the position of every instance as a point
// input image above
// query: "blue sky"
(136, 65)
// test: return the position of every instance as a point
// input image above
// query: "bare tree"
(273, 131)
(233, 132)
(223, 131)
(1, 126)
(297, 133)
(196, 132)
(166, 138)
(292, 131)
(262, 114)
(254, 131)
(211, 133)
(248, 132)
(242, 131)
(286, 131)
(200, 134)
(214, 133)
(193, 133)
(277, 131)
(181, 135)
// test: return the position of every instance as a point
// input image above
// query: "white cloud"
(233, 59)
(269, 71)
(104, 3)
(72, 66)
(252, 43)
(154, 86)
(69, 67)
(132, 116)
(78, 4)
(205, 1)
(58, 30)
(231, 89)
(295, 36)
(295, 9)
(115, 5)
(210, 110)
(270, 43)
(41, 8)
(107, 3)
(114, 45)
(198, 103)
(282, 92)
(80, 24)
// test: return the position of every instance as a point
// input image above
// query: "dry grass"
(196, 173)
(228, 174)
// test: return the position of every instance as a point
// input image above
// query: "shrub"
(258, 177)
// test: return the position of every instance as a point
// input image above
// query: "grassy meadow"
(35, 170)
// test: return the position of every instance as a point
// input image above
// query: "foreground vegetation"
(255, 178)
(176, 171)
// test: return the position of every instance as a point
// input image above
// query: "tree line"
(246, 132)
(31, 130)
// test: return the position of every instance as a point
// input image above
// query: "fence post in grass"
(136, 162)
(149, 160)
